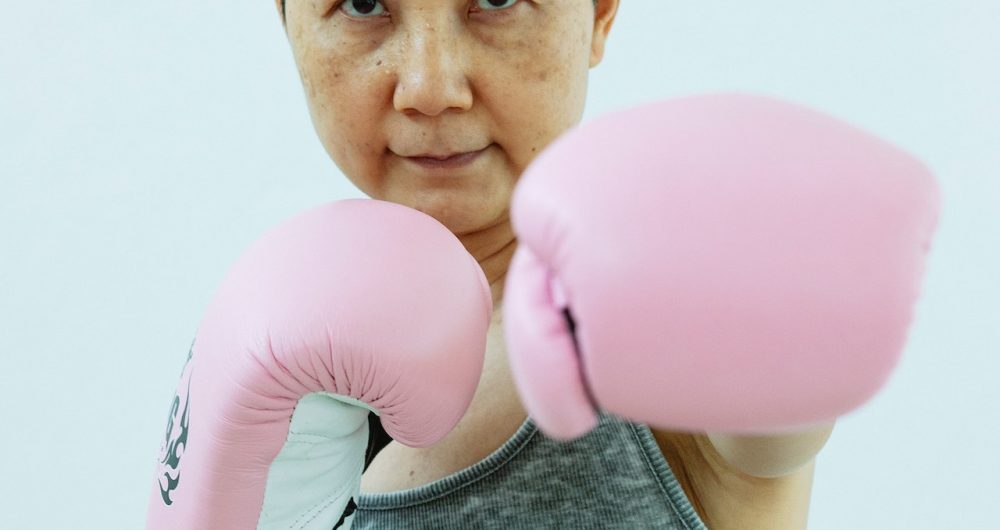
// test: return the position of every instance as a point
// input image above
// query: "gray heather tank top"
(614, 477)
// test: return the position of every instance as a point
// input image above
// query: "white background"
(144, 145)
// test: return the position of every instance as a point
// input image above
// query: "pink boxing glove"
(347, 311)
(727, 263)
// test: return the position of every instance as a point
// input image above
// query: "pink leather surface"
(361, 298)
(733, 263)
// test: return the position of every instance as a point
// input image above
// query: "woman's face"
(395, 85)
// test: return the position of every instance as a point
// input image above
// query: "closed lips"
(446, 161)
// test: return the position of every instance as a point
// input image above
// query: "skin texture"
(446, 76)
(438, 76)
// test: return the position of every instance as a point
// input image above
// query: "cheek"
(549, 95)
(343, 109)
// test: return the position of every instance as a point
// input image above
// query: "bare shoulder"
(726, 497)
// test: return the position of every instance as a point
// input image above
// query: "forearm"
(769, 456)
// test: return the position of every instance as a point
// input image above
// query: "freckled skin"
(443, 76)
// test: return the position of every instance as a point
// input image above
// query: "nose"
(432, 73)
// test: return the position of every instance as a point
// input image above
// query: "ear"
(604, 17)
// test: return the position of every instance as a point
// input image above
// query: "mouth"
(446, 161)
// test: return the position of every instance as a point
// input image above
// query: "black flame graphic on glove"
(175, 438)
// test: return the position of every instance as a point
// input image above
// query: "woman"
(439, 105)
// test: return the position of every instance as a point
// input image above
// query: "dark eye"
(495, 5)
(363, 8)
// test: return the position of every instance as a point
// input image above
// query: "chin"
(460, 213)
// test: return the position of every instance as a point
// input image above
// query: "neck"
(493, 247)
